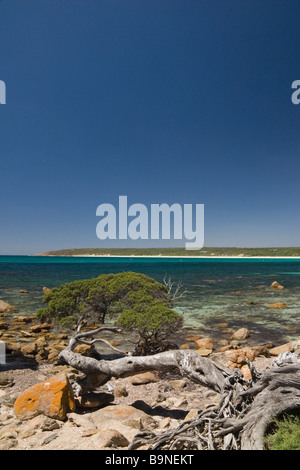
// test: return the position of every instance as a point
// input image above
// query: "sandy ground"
(165, 402)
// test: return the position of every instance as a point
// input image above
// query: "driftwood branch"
(80, 338)
(239, 421)
(175, 291)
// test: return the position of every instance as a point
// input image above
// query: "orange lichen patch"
(53, 398)
(124, 411)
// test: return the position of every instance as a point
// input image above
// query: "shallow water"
(236, 292)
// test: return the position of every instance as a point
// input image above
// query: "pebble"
(49, 439)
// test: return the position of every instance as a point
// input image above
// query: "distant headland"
(234, 252)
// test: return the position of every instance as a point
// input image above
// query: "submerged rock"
(278, 305)
(241, 334)
(276, 285)
(204, 343)
(5, 307)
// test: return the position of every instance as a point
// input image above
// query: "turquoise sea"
(235, 291)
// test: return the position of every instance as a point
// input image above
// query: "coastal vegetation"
(249, 412)
(138, 303)
(249, 400)
(284, 433)
(241, 417)
(206, 251)
(240, 420)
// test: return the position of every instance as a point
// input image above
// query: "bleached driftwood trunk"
(239, 421)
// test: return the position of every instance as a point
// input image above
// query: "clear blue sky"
(160, 100)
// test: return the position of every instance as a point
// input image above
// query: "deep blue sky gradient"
(162, 101)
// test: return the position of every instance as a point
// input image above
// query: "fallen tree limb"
(188, 363)
(244, 411)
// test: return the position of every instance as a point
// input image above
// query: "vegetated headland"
(271, 252)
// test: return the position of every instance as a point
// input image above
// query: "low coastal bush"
(285, 434)
(153, 322)
(139, 303)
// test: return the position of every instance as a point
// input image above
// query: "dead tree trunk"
(277, 392)
(239, 421)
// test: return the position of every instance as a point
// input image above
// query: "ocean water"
(235, 291)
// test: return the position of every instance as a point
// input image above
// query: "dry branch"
(174, 289)
(244, 411)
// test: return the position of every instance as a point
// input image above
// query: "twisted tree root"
(239, 421)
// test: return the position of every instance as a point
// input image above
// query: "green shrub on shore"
(139, 303)
(285, 434)
(152, 321)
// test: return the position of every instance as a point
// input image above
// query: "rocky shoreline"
(109, 418)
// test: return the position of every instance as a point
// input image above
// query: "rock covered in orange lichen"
(53, 398)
